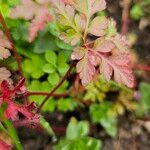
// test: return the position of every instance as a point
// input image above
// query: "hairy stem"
(7, 33)
(57, 86)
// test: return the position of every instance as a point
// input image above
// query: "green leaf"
(66, 104)
(144, 102)
(63, 45)
(34, 66)
(100, 114)
(47, 126)
(43, 43)
(49, 68)
(13, 134)
(36, 86)
(50, 105)
(62, 68)
(51, 57)
(54, 29)
(85, 143)
(53, 78)
(77, 129)
(137, 12)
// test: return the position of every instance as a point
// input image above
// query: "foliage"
(144, 101)
(47, 33)
(77, 139)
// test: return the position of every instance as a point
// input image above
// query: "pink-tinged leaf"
(89, 7)
(121, 42)
(80, 22)
(4, 42)
(78, 53)
(70, 37)
(4, 74)
(68, 1)
(64, 13)
(4, 146)
(38, 13)
(4, 46)
(98, 26)
(97, 5)
(103, 45)
(86, 68)
(4, 53)
(106, 69)
(122, 70)
(39, 23)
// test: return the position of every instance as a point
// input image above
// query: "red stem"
(57, 86)
(7, 33)
(125, 16)
(46, 93)
(143, 67)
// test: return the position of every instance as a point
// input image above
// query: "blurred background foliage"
(46, 60)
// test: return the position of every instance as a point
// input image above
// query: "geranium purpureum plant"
(95, 48)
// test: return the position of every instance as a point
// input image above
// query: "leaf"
(121, 42)
(85, 143)
(100, 114)
(66, 104)
(122, 70)
(38, 13)
(62, 68)
(65, 13)
(111, 30)
(53, 78)
(44, 43)
(4, 46)
(13, 134)
(63, 45)
(4, 74)
(80, 22)
(77, 129)
(49, 68)
(46, 126)
(71, 37)
(98, 26)
(103, 45)
(89, 7)
(106, 70)
(4, 146)
(77, 139)
(86, 67)
(144, 103)
(38, 62)
(51, 57)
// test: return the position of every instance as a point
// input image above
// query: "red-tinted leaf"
(86, 67)
(122, 70)
(106, 69)
(89, 7)
(4, 74)
(121, 42)
(38, 13)
(103, 45)
(98, 26)
(14, 109)
(4, 146)
(4, 46)
(78, 53)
